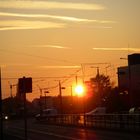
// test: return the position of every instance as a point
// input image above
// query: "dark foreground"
(10, 137)
(14, 130)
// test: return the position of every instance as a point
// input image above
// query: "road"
(38, 131)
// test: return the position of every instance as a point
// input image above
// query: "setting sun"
(79, 90)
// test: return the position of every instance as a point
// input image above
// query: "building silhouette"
(129, 79)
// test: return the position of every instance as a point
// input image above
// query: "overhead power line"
(36, 56)
(57, 77)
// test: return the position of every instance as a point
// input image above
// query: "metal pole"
(25, 118)
(1, 118)
(41, 102)
(61, 106)
(71, 100)
(98, 71)
(25, 109)
(60, 94)
(71, 95)
(98, 86)
(84, 107)
(11, 91)
(76, 79)
(45, 101)
(83, 72)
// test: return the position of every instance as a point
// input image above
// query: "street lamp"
(11, 88)
(1, 120)
(60, 94)
(45, 92)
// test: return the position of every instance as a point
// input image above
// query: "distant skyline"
(53, 38)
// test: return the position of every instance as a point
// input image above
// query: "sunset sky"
(52, 38)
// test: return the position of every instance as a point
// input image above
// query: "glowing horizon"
(53, 38)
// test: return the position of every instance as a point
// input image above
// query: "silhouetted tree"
(102, 87)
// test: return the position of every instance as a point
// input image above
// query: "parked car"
(46, 113)
(134, 110)
(97, 111)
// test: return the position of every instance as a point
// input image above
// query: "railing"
(107, 121)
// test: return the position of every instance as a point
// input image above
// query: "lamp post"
(61, 103)
(45, 92)
(71, 99)
(40, 103)
(1, 117)
(60, 94)
(11, 88)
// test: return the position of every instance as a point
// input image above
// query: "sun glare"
(79, 90)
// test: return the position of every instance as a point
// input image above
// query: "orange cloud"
(60, 67)
(49, 5)
(117, 49)
(22, 24)
(64, 18)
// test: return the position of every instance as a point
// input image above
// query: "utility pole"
(11, 88)
(98, 85)
(92, 65)
(71, 99)
(40, 103)
(45, 100)
(25, 109)
(107, 68)
(60, 94)
(76, 79)
(1, 117)
(41, 92)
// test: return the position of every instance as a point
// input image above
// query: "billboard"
(25, 85)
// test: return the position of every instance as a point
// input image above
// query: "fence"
(107, 121)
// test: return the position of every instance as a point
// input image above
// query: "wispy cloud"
(102, 27)
(15, 64)
(21, 24)
(64, 18)
(60, 67)
(117, 49)
(28, 4)
(42, 67)
(50, 46)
